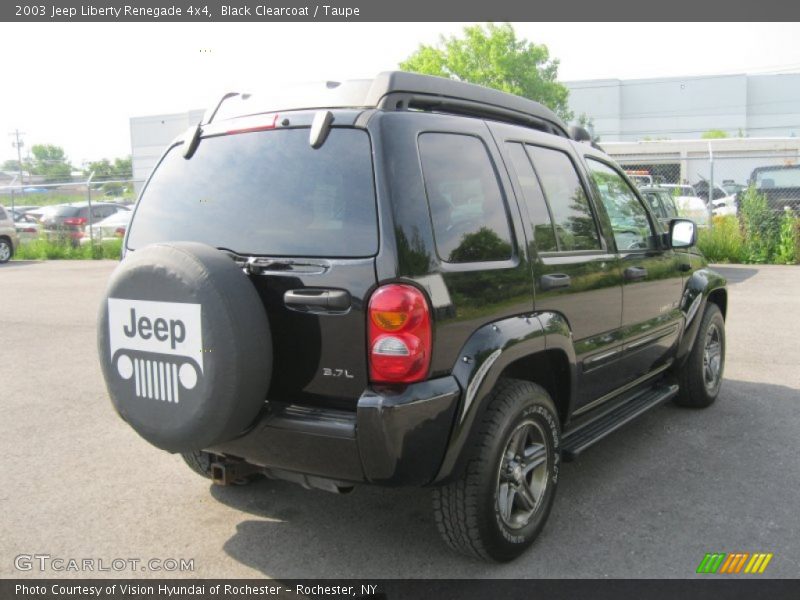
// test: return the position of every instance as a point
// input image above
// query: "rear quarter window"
(470, 222)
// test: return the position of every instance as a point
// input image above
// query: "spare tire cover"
(184, 345)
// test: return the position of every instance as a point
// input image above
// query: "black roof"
(396, 90)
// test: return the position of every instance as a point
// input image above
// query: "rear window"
(265, 193)
(771, 178)
(61, 211)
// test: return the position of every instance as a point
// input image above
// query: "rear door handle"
(317, 300)
(634, 273)
(555, 281)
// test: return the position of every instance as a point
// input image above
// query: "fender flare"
(481, 361)
(702, 283)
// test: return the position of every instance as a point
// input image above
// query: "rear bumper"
(395, 437)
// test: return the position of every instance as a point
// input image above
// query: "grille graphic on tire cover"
(155, 379)
(157, 347)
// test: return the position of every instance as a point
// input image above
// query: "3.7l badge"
(326, 372)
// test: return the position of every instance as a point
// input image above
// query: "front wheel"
(5, 250)
(700, 378)
(500, 504)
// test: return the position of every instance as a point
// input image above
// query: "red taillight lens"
(119, 232)
(27, 230)
(399, 332)
(75, 221)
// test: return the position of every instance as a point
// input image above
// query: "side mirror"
(682, 233)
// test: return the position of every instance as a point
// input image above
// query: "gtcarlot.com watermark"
(45, 563)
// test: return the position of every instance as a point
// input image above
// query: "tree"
(50, 162)
(493, 56)
(587, 123)
(11, 165)
(105, 170)
(714, 134)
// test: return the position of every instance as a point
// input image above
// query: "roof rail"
(398, 90)
(395, 91)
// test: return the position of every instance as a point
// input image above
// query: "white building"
(150, 136)
(685, 107)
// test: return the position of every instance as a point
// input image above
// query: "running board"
(577, 440)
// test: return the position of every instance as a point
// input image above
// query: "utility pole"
(18, 144)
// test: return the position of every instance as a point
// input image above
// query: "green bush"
(788, 251)
(760, 226)
(724, 242)
(59, 250)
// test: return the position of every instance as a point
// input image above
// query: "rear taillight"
(27, 230)
(399, 332)
(75, 221)
(119, 232)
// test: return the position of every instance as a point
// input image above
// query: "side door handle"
(317, 300)
(635, 273)
(554, 281)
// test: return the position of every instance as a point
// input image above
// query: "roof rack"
(395, 91)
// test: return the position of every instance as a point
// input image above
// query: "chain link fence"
(721, 175)
(69, 219)
(746, 201)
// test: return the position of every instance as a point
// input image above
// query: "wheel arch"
(518, 347)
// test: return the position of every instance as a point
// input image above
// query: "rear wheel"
(500, 504)
(700, 377)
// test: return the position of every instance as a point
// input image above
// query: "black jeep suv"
(402, 281)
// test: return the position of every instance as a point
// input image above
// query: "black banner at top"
(392, 10)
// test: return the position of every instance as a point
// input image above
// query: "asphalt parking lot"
(648, 501)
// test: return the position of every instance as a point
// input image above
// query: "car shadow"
(618, 498)
(735, 274)
(18, 263)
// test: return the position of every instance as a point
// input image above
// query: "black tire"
(468, 511)
(200, 463)
(698, 389)
(6, 250)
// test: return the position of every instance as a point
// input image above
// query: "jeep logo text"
(174, 330)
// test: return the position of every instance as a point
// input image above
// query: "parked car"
(403, 281)
(110, 228)
(662, 203)
(679, 189)
(780, 185)
(9, 240)
(23, 209)
(724, 203)
(27, 226)
(731, 187)
(69, 221)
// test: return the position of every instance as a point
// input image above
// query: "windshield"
(265, 193)
(770, 178)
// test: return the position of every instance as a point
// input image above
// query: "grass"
(724, 242)
(55, 250)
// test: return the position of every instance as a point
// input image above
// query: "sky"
(77, 85)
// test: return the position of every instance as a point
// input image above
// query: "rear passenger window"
(3, 216)
(543, 232)
(470, 223)
(569, 205)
